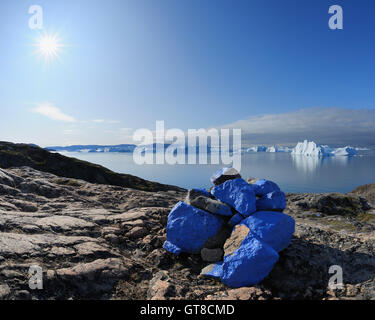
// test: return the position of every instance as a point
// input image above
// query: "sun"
(48, 46)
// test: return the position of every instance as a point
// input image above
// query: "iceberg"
(346, 151)
(271, 149)
(257, 149)
(310, 148)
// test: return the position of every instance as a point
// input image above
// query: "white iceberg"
(271, 149)
(278, 149)
(346, 151)
(257, 149)
(310, 148)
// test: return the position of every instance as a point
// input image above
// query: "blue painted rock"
(223, 175)
(274, 228)
(263, 187)
(238, 194)
(236, 219)
(199, 199)
(189, 228)
(213, 270)
(274, 201)
(249, 264)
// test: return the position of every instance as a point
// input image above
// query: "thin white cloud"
(336, 126)
(50, 111)
(105, 121)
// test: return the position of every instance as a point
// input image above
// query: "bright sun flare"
(49, 46)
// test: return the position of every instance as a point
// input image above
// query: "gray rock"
(219, 239)
(4, 291)
(252, 180)
(329, 203)
(160, 287)
(137, 232)
(93, 277)
(201, 201)
(23, 295)
(212, 255)
(223, 175)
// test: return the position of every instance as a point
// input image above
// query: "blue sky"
(193, 64)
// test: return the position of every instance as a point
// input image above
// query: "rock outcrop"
(18, 155)
(367, 191)
(101, 241)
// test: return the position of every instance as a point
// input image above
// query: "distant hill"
(19, 155)
(94, 148)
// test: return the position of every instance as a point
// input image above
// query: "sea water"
(294, 173)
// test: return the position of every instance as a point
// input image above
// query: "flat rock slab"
(13, 244)
(64, 223)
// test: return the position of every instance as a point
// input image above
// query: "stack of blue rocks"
(252, 212)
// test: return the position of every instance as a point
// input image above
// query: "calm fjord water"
(293, 173)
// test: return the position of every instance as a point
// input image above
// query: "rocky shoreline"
(98, 240)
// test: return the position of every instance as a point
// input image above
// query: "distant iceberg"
(94, 148)
(310, 148)
(346, 151)
(257, 149)
(278, 149)
(271, 149)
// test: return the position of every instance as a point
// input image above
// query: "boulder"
(329, 203)
(223, 175)
(251, 180)
(189, 228)
(214, 270)
(252, 249)
(4, 291)
(203, 201)
(233, 243)
(236, 219)
(274, 201)
(218, 240)
(212, 255)
(196, 192)
(274, 228)
(262, 187)
(238, 194)
(160, 287)
(249, 264)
